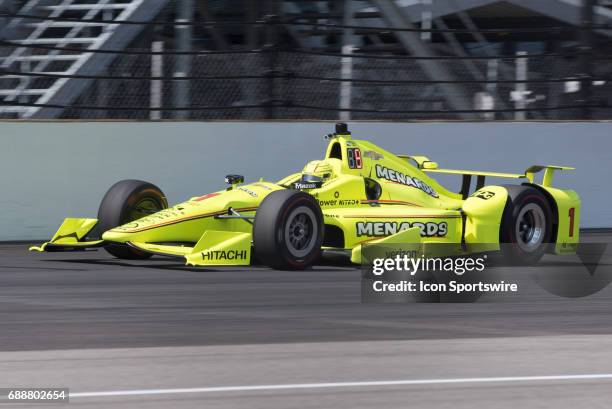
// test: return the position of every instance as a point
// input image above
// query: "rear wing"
(529, 174)
(432, 167)
(466, 182)
(549, 171)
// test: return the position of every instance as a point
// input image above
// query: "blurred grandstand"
(326, 59)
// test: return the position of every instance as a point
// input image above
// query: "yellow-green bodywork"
(216, 229)
(71, 235)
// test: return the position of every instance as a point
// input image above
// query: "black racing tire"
(526, 227)
(126, 201)
(288, 230)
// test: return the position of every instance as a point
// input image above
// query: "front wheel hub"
(300, 231)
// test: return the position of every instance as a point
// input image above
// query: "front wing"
(215, 248)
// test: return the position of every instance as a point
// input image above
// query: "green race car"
(358, 194)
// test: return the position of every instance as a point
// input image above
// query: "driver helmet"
(317, 171)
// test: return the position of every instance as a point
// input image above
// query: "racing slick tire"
(126, 201)
(288, 230)
(526, 227)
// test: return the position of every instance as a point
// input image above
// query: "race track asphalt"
(101, 325)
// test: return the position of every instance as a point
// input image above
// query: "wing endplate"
(549, 171)
(70, 236)
(218, 248)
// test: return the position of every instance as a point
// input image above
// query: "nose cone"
(118, 236)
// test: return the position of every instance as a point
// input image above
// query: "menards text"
(399, 177)
(428, 229)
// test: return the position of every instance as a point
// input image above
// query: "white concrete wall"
(52, 170)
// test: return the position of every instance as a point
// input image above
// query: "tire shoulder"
(112, 209)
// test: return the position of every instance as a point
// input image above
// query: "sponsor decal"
(261, 185)
(354, 158)
(208, 196)
(162, 215)
(340, 202)
(307, 185)
(224, 255)
(147, 223)
(373, 155)
(568, 248)
(398, 177)
(248, 191)
(336, 194)
(484, 194)
(382, 229)
(348, 202)
(382, 201)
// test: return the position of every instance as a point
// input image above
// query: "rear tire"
(527, 225)
(288, 230)
(126, 201)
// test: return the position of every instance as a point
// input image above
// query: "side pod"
(483, 212)
(408, 240)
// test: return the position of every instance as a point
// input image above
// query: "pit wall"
(52, 170)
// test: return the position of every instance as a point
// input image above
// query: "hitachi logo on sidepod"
(399, 177)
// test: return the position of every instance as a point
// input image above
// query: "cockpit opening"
(336, 151)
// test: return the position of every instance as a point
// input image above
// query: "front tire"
(126, 201)
(526, 228)
(288, 230)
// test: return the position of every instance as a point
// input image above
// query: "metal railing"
(285, 81)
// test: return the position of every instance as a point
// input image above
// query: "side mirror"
(234, 179)
(430, 165)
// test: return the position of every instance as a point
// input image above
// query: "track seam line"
(245, 388)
